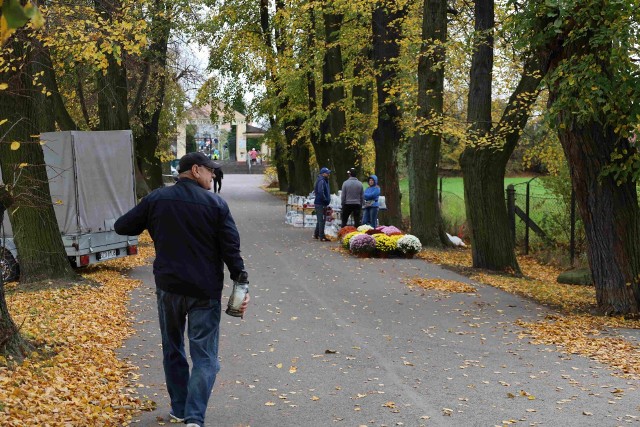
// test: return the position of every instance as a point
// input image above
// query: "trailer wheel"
(8, 266)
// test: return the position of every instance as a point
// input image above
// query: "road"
(334, 340)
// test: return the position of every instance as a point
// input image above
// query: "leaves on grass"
(441, 285)
(75, 377)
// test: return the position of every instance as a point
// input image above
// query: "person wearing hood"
(371, 205)
(322, 200)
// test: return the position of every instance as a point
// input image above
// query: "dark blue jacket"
(323, 196)
(193, 234)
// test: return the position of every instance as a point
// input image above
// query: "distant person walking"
(371, 205)
(194, 236)
(322, 200)
(217, 177)
(253, 154)
(352, 198)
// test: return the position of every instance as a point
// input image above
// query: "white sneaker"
(174, 419)
(193, 425)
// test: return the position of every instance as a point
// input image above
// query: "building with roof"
(230, 135)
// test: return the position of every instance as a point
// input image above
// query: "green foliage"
(191, 138)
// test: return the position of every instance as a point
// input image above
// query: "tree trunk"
(12, 344)
(386, 27)
(424, 149)
(609, 209)
(362, 94)
(300, 178)
(610, 215)
(36, 232)
(153, 89)
(337, 153)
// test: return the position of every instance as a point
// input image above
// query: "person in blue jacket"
(322, 200)
(371, 205)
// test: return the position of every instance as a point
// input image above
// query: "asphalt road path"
(334, 340)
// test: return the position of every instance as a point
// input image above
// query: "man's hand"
(245, 304)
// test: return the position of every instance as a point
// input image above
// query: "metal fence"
(538, 222)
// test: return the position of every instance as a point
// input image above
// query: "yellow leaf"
(15, 145)
(269, 404)
(314, 398)
(3, 121)
(21, 165)
(293, 370)
(3, 86)
(279, 366)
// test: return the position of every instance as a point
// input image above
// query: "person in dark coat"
(217, 177)
(322, 200)
(194, 236)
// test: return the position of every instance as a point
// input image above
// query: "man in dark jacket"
(322, 200)
(217, 177)
(194, 235)
(352, 198)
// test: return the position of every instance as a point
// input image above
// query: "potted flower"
(384, 244)
(345, 230)
(409, 245)
(391, 231)
(347, 238)
(362, 245)
(364, 228)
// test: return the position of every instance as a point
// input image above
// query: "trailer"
(92, 183)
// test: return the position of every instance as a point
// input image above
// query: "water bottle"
(240, 290)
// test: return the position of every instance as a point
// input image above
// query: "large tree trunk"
(362, 94)
(492, 243)
(386, 26)
(337, 153)
(36, 232)
(609, 209)
(300, 177)
(12, 344)
(610, 215)
(280, 152)
(484, 164)
(153, 87)
(424, 149)
(112, 91)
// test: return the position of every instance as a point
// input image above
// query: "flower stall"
(382, 242)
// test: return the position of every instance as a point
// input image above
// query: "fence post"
(440, 192)
(572, 243)
(526, 226)
(511, 210)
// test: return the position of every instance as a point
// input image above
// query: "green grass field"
(546, 210)
(453, 188)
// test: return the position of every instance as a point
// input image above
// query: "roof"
(254, 130)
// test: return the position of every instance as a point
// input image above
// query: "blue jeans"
(321, 219)
(189, 393)
(370, 217)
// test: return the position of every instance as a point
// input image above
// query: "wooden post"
(511, 209)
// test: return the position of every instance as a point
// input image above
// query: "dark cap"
(190, 159)
(325, 170)
(352, 171)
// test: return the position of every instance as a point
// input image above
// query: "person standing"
(371, 205)
(194, 236)
(352, 198)
(253, 154)
(322, 200)
(217, 177)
